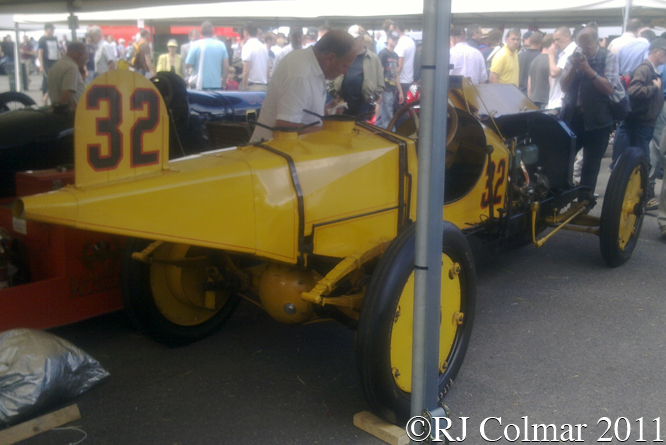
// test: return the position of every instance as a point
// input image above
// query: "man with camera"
(588, 80)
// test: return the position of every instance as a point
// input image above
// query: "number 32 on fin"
(121, 129)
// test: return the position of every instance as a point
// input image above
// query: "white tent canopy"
(287, 11)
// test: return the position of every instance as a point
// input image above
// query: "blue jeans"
(631, 135)
(386, 109)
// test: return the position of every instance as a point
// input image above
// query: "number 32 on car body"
(494, 181)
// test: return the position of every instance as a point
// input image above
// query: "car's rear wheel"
(166, 298)
(384, 341)
(624, 207)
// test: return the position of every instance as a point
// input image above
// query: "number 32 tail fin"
(121, 129)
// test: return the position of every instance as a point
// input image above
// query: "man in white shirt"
(255, 60)
(300, 84)
(104, 59)
(631, 34)
(562, 41)
(466, 61)
(405, 49)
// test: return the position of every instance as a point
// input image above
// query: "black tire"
(619, 229)
(143, 310)
(12, 100)
(379, 316)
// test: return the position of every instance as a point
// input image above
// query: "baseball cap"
(173, 42)
(393, 35)
(313, 33)
(527, 35)
(658, 43)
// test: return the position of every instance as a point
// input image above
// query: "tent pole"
(430, 199)
(627, 16)
(72, 19)
(17, 61)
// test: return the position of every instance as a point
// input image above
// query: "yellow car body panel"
(473, 208)
(242, 200)
(195, 212)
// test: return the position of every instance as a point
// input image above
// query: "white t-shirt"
(103, 55)
(468, 62)
(256, 53)
(406, 48)
(616, 44)
(298, 84)
(556, 94)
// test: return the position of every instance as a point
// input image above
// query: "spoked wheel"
(12, 101)
(384, 341)
(624, 207)
(166, 299)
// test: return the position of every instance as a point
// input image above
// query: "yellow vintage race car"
(321, 225)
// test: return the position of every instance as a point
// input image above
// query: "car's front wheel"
(384, 341)
(624, 206)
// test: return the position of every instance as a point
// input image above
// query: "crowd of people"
(381, 73)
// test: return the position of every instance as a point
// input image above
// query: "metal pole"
(430, 203)
(627, 14)
(17, 62)
(72, 19)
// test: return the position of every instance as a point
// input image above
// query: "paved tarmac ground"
(558, 337)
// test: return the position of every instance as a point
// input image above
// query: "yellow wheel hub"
(632, 197)
(402, 331)
(178, 285)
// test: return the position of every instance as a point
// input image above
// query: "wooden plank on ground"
(38, 425)
(381, 429)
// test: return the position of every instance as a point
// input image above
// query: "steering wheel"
(451, 116)
(12, 100)
(174, 92)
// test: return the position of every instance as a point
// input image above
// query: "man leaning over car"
(65, 78)
(300, 83)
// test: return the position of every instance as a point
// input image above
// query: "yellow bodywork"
(326, 193)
